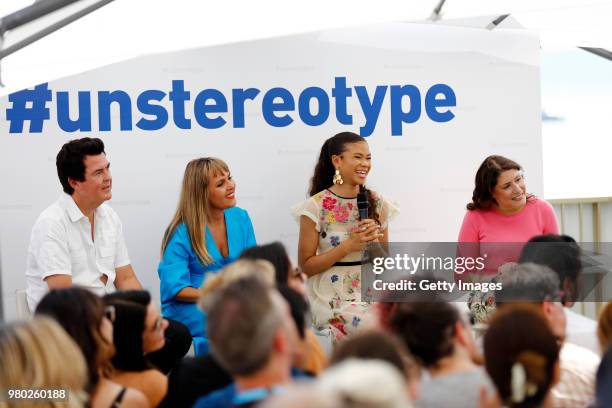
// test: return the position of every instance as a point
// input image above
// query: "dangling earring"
(337, 178)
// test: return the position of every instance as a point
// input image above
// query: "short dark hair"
(427, 329)
(128, 327)
(276, 254)
(374, 345)
(70, 160)
(298, 307)
(560, 253)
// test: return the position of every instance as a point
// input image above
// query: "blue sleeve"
(249, 231)
(173, 269)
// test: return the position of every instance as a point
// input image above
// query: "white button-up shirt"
(61, 244)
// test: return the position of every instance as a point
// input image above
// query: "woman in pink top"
(502, 211)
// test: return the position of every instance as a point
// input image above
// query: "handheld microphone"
(363, 205)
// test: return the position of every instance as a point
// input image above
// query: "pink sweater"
(491, 226)
(537, 218)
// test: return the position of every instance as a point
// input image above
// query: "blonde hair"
(193, 204)
(242, 268)
(604, 327)
(35, 355)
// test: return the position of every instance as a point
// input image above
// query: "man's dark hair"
(561, 253)
(374, 345)
(276, 254)
(70, 160)
(427, 329)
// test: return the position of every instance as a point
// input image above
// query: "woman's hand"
(366, 231)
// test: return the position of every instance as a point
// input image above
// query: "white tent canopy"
(128, 28)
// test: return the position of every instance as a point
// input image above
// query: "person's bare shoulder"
(134, 398)
(157, 385)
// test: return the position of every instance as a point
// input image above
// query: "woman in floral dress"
(333, 238)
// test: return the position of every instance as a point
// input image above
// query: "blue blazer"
(180, 268)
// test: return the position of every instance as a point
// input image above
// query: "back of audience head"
(380, 345)
(298, 307)
(249, 326)
(304, 394)
(521, 356)
(34, 356)
(562, 254)
(604, 327)
(138, 328)
(239, 269)
(82, 315)
(536, 284)
(365, 383)
(433, 331)
(276, 254)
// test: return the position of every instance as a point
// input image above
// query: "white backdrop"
(428, 170)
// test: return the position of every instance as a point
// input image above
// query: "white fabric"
(576, 387)
(61, 244)
(581, 331)
(335, 294)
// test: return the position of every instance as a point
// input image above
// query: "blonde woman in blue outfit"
(206, 233)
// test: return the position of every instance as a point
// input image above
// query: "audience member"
(562, 254)
(276, 254)
(366, 384)
(522, 357)
(253, 337)
(34, 356)
(442, 341)
(83, 316)
(603, 389)
(380, 345)
(539, 285)
(313, 358)
(604, 327)
(138, 329)
(198, 376)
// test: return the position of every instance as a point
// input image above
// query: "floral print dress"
(335, 294)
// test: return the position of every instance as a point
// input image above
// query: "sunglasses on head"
(110, 313)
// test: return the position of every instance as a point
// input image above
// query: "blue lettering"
(371, 109)
(83, 122)
(304, 106)
(269, 107)
(432, 103)
(398, 115)
(238, 98)
(340, 92)
(105, 99)
(160, 113)
(201, 109)
(178, 96)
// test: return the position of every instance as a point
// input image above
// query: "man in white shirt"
(79, 239)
